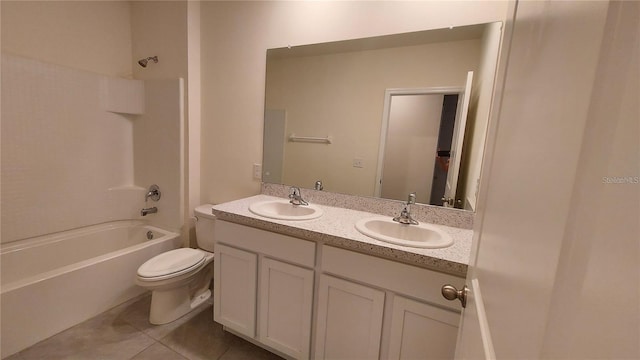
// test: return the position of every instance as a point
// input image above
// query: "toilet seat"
(171, 264)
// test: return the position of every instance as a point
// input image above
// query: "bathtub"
(52, 282)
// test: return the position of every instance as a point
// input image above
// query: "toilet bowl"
(180, 279)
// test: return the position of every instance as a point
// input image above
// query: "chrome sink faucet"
(295, 196)
(405, 214)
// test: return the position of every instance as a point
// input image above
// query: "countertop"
(336, 228)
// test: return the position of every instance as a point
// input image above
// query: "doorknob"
(448, 201)
(451, 293)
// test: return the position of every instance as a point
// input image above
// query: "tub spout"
(151, 210)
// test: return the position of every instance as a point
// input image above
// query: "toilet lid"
(174, 262)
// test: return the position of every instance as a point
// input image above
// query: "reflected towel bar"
(310, 139)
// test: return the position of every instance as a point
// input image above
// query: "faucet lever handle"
(412, 198)
(153, 193)
(294, 191)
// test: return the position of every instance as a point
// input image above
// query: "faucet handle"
(412, 198)
(153, 193)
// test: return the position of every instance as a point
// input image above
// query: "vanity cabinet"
(263, 287)
(399, 304)
(366, 307)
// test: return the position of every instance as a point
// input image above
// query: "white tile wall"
(123, 95)
(67, 163)
(158, 150)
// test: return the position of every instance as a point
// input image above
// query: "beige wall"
(94, 36)
(342, 95)
(159, 28)
(235, 36)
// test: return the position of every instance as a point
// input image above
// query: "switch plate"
(257, 171)
(358, 163)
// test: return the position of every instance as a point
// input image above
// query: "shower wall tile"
(158, 150)
(123, 95)
(61, 152)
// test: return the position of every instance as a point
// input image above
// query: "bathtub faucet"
(151, 210)
(153, 193)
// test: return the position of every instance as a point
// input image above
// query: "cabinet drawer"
(398, 277)
(274, 245)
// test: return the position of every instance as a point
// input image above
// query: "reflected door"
(414, 124)
(456, 146)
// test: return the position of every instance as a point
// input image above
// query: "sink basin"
(283, 210)
(426, 236)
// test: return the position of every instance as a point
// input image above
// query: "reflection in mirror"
(416, 123)
(335, 99)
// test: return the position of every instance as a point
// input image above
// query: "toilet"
(180, 279)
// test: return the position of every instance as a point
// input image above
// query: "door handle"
(451, 293)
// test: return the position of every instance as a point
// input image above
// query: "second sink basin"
(420, 236)
(283, 210)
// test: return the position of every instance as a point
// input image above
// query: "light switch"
(257, 171)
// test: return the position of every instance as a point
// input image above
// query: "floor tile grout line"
(141, 351)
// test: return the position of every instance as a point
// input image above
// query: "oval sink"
(283, 210)
(426, 236)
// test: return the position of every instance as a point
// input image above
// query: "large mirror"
(383, 116)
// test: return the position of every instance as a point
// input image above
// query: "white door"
(544, 230)
(235, 280)
(286, 296)
(412, 131)
(422, 108)
(456, 144)
(349, 321)
(421, 331)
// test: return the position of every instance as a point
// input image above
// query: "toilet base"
(168, 306)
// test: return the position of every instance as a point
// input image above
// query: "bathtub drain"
(149, 235)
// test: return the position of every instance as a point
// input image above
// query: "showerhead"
(144, 62)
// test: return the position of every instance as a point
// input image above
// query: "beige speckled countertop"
(336, 228)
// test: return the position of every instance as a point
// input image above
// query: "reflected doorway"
(416, 144)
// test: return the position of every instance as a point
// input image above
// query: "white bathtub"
(53, 282)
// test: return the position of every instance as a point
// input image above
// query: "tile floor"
(124, 333)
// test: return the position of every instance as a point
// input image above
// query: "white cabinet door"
(235, 281)
(349, 322)
(422, 331)
(286, 296)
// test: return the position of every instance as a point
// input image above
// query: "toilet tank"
(205, 221)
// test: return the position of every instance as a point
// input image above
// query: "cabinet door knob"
(451, 293)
